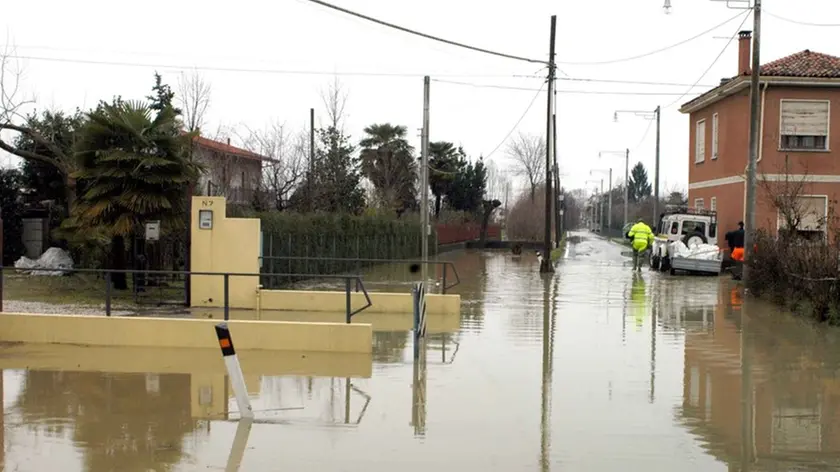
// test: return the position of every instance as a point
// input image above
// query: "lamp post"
(609, 195)
(650, 115)
(626, 154)
(600, 200)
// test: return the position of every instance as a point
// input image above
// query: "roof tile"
(227, 148)
(804, 64)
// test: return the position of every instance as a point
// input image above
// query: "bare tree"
(287, 156)
(13, 121)
(786, 193)
(528, 154)
(335, 102)
(193, 97)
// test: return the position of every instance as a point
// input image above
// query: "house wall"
(722, 178)
(232, 176)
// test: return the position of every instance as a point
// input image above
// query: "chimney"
(744, 52)
(228, 141)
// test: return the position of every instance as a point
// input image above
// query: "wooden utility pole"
(546, 266)
(558, 232)
(656, 174)
(424, 180)
(755, 73)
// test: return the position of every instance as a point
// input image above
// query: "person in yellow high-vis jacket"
(642, 237)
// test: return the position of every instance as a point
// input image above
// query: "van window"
(691, 227)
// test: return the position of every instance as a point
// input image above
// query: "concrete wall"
(183, 333)
(392, 303)
(159, 360)
(232, 245)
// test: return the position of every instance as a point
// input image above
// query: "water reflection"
(761, 391)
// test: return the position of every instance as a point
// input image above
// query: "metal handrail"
(444, 264)
(348, 279)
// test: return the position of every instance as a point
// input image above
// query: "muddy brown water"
(595, 369)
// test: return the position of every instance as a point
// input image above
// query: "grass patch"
(557, 253)
(79, 289)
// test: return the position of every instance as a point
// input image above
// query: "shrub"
(799, 274)
(11, 181)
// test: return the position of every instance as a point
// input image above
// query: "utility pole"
(558, 231)
(424, 180)
(749, 224)
(656, 174)
(627, 185)
(311, 183)
(601, 207)
(609, 205)
(546, 266)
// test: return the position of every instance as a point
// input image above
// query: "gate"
(155, 252)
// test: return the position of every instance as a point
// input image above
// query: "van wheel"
(673, 271)
(665, 264)
(654, 262)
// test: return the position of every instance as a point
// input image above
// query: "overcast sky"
(83, 51)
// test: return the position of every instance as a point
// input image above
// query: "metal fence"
(107, 275)
(288, 264)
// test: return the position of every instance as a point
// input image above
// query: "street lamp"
(650, 115)
(626, 154)
(609, 201)
(667, 7)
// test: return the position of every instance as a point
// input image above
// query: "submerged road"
(592, 369)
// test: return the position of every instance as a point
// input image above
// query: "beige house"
(231, 172)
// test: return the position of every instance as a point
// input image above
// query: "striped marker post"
(419, 298)
(234, 370)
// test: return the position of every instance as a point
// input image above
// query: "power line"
(803, 23)
(687, 92)
(241, 69)
(645, 135)
(524, 114)
(628, 82)
(640, 56)
(567, 92)
(427, 36)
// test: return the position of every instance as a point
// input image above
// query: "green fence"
(324, 236)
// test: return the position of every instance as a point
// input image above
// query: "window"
(804, 125)
(691, 227)
(715, 131)
(700, 142)
(713, 204)
(698, 203)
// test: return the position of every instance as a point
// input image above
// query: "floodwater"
(595, 369)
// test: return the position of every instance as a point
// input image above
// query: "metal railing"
(445, 266)
(107, 277)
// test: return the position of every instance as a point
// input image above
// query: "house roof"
(226, 148)
(804, 64)
(808, 65)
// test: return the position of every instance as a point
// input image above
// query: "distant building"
(797, 144)
(230, 171)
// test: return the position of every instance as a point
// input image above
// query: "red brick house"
(799, 151)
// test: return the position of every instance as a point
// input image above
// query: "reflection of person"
(642, 237)
(638, 299)
(735, 240)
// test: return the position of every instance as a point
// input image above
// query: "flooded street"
(595, 369)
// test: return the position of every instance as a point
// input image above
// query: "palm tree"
(445, 161)
(388, 162)
(133, 168)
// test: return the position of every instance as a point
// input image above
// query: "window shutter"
(802, 118)
(715, 139)
(700, 137)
